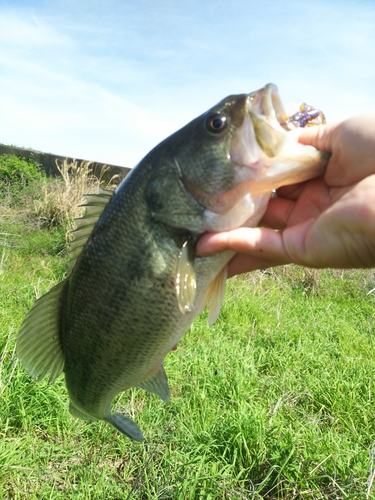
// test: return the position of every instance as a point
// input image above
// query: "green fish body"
(135, 285)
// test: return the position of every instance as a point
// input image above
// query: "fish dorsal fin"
(215, 294)
(94, 207)
(157, 384)
(38, 343)
(186, 279)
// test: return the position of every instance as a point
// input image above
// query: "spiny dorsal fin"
(186, 279)
(215, 294)
(157, 384)
(38, 343)
(94, 207)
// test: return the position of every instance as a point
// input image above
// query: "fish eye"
(216, 123)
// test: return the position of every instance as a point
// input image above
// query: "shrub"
(15, 171)
(18, 179)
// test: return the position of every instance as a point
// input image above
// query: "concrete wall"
(48, 162)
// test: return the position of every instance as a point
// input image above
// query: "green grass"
(276, 400)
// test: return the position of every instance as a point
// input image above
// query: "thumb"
(320, 137)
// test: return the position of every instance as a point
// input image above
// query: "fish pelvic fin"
(38, 344)
(94, 205)
(157, 384)
(126, 426)
(215, 294)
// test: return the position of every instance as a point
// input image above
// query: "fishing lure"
(307, 116)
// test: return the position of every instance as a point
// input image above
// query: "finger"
(258, 242)
(320, 137)
(352, 145)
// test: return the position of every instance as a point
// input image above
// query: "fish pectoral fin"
(38, 344)
(126, 426)
(215, 294)
(157, 384)
(186, 279)
(77, 413)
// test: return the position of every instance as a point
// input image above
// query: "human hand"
(325, 222)
(352, 144)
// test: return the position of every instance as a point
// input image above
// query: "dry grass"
(62, 197)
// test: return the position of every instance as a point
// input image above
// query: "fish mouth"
(266, 105)
(267, 138)
(262, 131)
(269, 118)
(275, 135)
(271, 122)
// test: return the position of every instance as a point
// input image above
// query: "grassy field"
(276, 400)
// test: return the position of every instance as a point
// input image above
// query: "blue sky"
(107, 80)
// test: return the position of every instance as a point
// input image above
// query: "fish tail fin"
(123, 424)
(126, 426)
(38, 343)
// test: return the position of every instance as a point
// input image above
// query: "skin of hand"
(325, 222)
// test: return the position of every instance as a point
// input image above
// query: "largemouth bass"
(134, 284)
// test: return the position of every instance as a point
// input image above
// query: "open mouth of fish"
(266, 105)
(268, 121)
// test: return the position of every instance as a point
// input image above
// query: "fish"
(134, 283)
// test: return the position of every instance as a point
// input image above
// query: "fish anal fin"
(186, 279)
(126, 426)
(215, 294)
(157, 384)
(38, 342)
